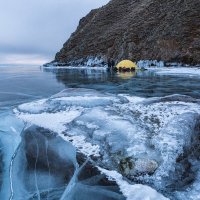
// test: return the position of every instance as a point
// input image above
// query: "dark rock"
(132, 167)
(138, 30)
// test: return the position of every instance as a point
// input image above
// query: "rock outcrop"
(139, 30)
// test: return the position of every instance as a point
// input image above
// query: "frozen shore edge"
(101, 62)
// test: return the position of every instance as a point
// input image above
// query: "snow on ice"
(141, 139)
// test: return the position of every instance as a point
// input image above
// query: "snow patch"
(133, 192)
(33, 107)
(177, 71)
(53, 121)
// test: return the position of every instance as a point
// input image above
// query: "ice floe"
(141, 138)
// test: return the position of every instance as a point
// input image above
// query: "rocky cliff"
(166, 30)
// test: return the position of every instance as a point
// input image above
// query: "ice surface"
(44, 166)
(192, 192)
(143, 139)
(89, 69)
(177, 71)
(10, 130)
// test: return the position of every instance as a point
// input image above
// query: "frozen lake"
(84, 134)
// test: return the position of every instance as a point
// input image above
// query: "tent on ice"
(126, 65)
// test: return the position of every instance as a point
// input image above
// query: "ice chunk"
(10, 130)
(44, 166)
(133, 192)
(33, 107)
(42, 162)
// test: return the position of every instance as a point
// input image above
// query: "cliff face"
(166, 30)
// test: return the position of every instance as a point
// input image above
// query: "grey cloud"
(40, 26)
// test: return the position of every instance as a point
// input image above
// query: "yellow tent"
(126, 64)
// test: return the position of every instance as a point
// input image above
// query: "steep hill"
(166, 30)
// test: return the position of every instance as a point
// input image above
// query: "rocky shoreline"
(101, 62)
(137, 30)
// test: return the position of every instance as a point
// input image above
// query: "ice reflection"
(140, 83)
(126, 75)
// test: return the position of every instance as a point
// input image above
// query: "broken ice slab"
(47, 167)
(10, 130)
(111, 128)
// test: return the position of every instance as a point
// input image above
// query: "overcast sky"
(32, 31)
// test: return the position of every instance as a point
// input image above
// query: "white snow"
(57, 122)
(33, 107)
(133, 192)
(53, 121)
(177, 71)
(82, 146)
